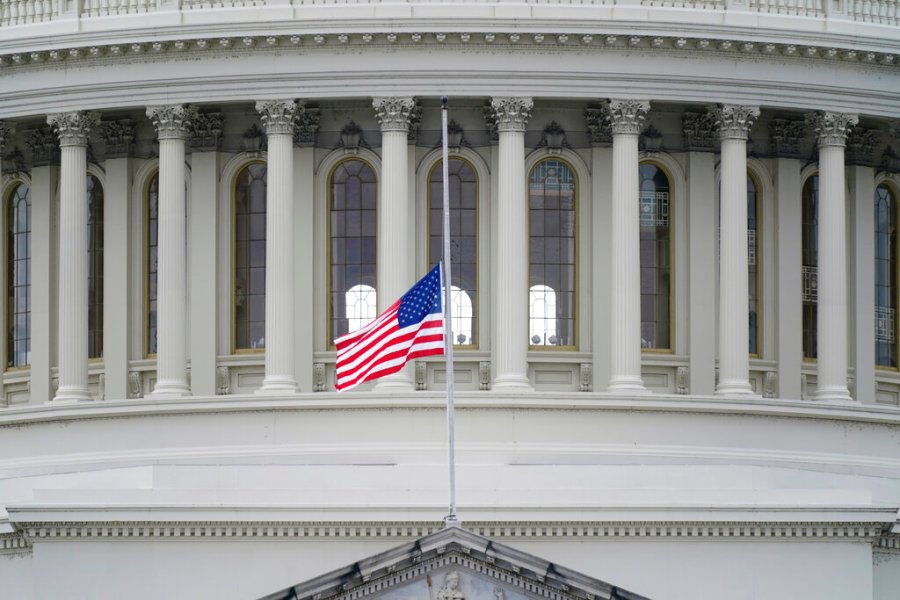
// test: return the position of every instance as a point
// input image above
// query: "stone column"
(832, 129)
(172, 123)
(510, 343)
(278, 119)
(734, 124)
(73, 130)
(625, 302)
(395, 224)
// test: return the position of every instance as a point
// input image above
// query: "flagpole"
(450, 519)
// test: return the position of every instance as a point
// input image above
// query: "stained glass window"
(885, 278)
(809, 270)
(752, 263)
(656, 267)
(95, 267)
(250, 258)
(152, 260)
(18, 277)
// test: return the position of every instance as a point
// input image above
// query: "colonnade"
(509, 344)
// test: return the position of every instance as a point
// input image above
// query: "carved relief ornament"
(306, 126)
(598, 125)
(699, 130)
(278, 116)
(172, 121)
(394, 113)
(43, 145)
(861, 146)
(118, 136)
(511, 114)
(206, 131)
(6, 132)
(832, 128)
(627, 116)
(733, 120)
(73, 128)
(786, 136)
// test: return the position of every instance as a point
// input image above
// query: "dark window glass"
(752, 264)
(885, 278)
(552, 227)
(352, 240)
(18, 277)
(463, 184)
(151, 266)
(809, 270)
(250, 258)
(95, 267)
(656, 268)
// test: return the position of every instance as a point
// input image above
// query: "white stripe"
(353, 361)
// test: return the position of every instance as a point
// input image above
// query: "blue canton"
(424, 298)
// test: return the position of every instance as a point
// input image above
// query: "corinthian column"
(395, 233)
(510, 343)
(734, 124)
(278, 119)
(625, 305)
(73, 130)
(172, 123)
(832, 129)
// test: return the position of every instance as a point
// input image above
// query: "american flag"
(411, 327)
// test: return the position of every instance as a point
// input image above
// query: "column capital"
(832, 127)
(394, 113)
(172, 121)
(734, 120)
(627, 116)
(278, 116)
(73, 128)
(512, 113)
(7, 130)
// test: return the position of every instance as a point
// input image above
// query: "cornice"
(51, 53)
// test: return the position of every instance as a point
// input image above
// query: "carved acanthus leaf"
(6, 132)
(118, 136)
(306, 127)
(598, 125)
(787, 136)
(206, 131)
(861, 146)
(43, 145)
(831, 127)
(172, 121)
(733, 120)
(278, 116)
(627, 116)
(699, 130)
(511, 114)
(394, 114)
(73, 128)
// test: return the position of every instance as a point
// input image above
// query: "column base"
(735, 387)
(629, 384)
(840, 393)
(170, 389)
(278, 385)
(72, 394)
(511, 381)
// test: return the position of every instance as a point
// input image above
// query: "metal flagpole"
(450, 519)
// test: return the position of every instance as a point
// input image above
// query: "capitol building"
(675, 233)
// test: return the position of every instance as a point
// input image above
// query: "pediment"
(454, 564)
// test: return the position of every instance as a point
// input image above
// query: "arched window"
(753, 206)
(361, 306)
(551, 207)
(95, 267)
(18, 277)
(542, 316)
(885, 278)
(152, 260)
(463, 186)
(250, 258)
(656, 265)
(352, 228)
(809, 270)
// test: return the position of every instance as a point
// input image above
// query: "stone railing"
(24, 12)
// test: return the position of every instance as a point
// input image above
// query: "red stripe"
(386, 338)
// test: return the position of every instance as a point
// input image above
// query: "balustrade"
(23, 12)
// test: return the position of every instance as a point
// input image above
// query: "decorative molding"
(206, 131)
(73, 128)
(223, 381)
(351, 138)
(278, 116)
(306, 128)
(318, 377)
(511, 113)
(101, 386)
(651, 139)
(484, 375)
(627, 116)
(733, 120)
(553, 138)
(43, 145)
(394, 113)
(254, 140)
(787, 136)
(490, 125)
(421, 371)
(861, 146)
(770, 383)
(890, 161)
(118, 137)
(14, 543)
(415, 122)
(682, 381)
(699, 131)
(586, 377)
(832, 128)
(599, 127)
(135, 385)
(866, 531)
